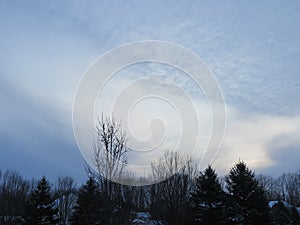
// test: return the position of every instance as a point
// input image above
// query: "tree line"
(239, 198)
(188, 196)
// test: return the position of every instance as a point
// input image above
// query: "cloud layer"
(253, 49)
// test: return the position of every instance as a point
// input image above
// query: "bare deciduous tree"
(170, 198)
(13, 192)
(270, 185)
(281, 185)
(65, 193)
(110, 149)
(171, 163)
(290, 183)
(110, 160)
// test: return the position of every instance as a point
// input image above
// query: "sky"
(253, 49)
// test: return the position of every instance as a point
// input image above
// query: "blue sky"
(253, 48)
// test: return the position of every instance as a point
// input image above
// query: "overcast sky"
(253, 48)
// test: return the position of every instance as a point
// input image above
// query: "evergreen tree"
(88, 210)
(295, 219)
(247, 201)
(282, 215)
(40, 207)
(208, 199)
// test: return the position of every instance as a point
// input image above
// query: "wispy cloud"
(253, 49)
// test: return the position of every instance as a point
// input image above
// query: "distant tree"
(282, 215)
(65, 195)
(291, 183)
(89, 208)
(247, 201)
(140, 198)
(40, 207)
(295, 216)
(123, 205)
(208, 199)
(270, 185)
(169, 199)
(13, 194)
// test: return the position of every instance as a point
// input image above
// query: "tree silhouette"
(65, 193)
(247, 201)
(88, 209)
(40, 207)
(208, 199)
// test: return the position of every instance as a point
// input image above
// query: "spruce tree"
(88, 210)
(208, 199)
(247, 200)
(40, 207)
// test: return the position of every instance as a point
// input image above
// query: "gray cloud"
(284, 151)
(252, 48)
(36, 138)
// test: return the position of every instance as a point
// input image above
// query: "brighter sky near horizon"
(252, 47)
